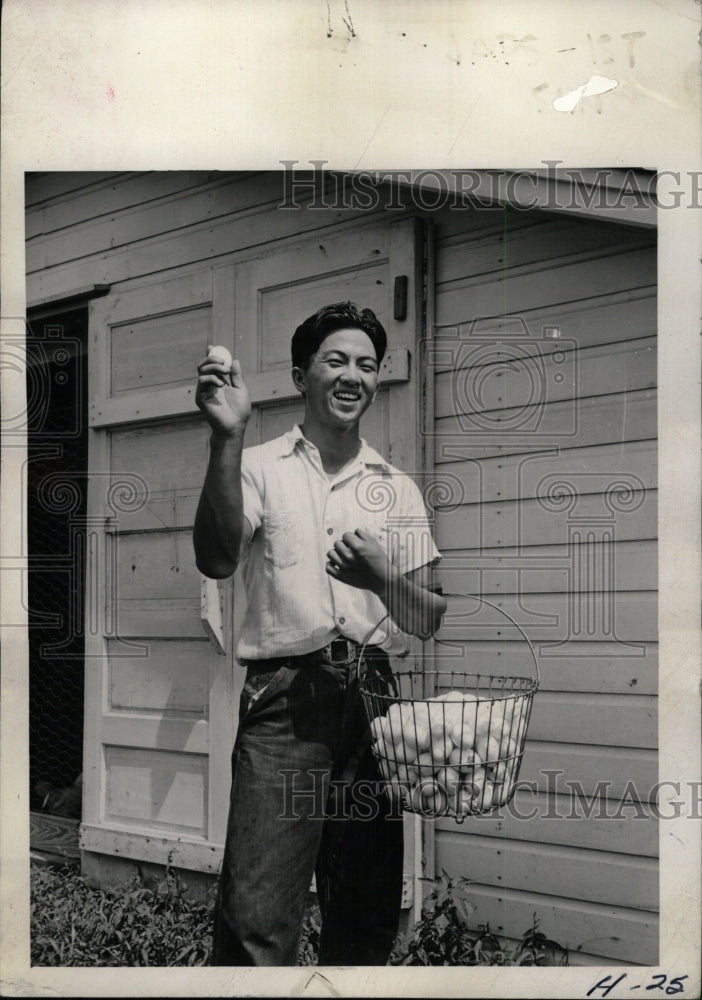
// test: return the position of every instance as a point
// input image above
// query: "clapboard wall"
(545, 457)
(527, 515)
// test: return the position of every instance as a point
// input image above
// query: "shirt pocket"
(281, 545)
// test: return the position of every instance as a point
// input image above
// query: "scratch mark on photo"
(465, 122)
(375, 130)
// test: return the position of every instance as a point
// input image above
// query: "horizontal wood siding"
(623, 933)
(144, 236)
(545, 504)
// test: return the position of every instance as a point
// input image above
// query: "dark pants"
(306, 797)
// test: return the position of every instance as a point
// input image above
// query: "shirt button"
(342, 621)
(330, 531)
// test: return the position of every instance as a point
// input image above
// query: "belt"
(338, 651)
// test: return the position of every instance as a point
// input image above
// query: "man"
(328, 564)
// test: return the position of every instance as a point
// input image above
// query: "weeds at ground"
(444, 935)
(147, 923)
(134, 924)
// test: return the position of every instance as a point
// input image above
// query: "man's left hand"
(358, 559)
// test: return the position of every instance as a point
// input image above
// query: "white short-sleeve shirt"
(296, 513)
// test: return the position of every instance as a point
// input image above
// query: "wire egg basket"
(456, 753)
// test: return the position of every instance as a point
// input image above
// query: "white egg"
(223, 355)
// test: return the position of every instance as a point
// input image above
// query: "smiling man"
(326, 568)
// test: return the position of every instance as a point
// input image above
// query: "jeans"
(306, 797)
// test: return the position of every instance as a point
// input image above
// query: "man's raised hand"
(226, 407)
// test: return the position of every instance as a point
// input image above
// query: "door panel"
(278, 307)
(166, 790)
(175, 679)
(153, 353)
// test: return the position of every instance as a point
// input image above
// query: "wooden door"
(161, 695)
(156, 686)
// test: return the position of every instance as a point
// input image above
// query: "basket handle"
(367, 640)
(482, 600)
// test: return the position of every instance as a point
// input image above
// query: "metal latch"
(395, 366)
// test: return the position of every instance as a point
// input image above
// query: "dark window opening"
(56, 510)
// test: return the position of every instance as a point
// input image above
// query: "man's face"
(342, 378)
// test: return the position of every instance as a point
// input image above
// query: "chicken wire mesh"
(56, 449)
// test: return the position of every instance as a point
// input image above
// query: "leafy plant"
(443, 935)
(140, 923)
(537, 949)
(154, 923)
(308, 948)
(134, 924)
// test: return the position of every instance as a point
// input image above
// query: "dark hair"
(339, 316)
